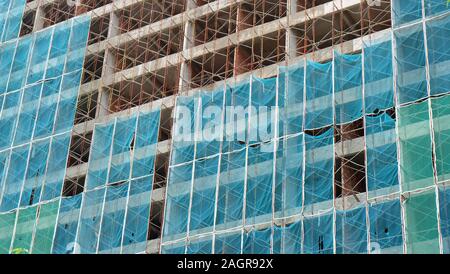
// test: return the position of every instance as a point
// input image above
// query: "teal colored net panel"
(257, 241)
(7, 222)
(236, 126)
(11, 13)
(14, 178)
(124, 133)
(258, 196)
(415, 146)
(23, 232)
(410, 61)
(406, 11)
(288, 239)
(438, 39)
(178, 202)
(138, 216)
(111, 157)
(210, 124)
(348, 87)
(45, 228)
(56, 167)
(319, 95)
(6, 56)
(145, 144)
(183, 144)
(174, 248)
(421, 224)
(90, 220)
(318, 234)
(386, 227)
(228, 243)
(263, 103)
(444, 217)
(200, 246)
(100, 154)
(204, 195)
(35, 173)
(382, 164)
(113, 218)
(319, 168)
(67, 223)
(231, 190)
(289, 176)
(4, 160)
(441, 112)
(290, 99)
(351, 231)
(378, 77)
(434, 7)
(28, 111)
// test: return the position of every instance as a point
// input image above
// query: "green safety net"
(7, 222)
(421, 223)
(24, 229)
(45, 228)
(441, 114)
(416, 165)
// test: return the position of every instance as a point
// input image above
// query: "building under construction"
(96, 155)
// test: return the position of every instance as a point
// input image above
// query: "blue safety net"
(236, 128)
(290, 99)
(386, 227)
(200, 246)
(90, 220)
(434, 7)
(319, 95)
(288, 239)
(444, 214)
(146, 140)
(113, 144)
(289, 176)
(382, 164)
(410, 60)
(319, 167)
(318, 234)
(177, 201)
(137, 215)
(203, 195)
(67, 223)
(262, 113)
(378, 77)
(406, 11)
(120, 163)
(11, 13)
(257, 241)
(231, 190)
(259, 183)
(174, 248)
(438, 39)
(228, 243)
(113, 218)
(183, 143)
(351, 231)
(209, 124)
(348, 97)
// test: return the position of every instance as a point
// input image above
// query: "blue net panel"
(11, 13)
(386, 227)
(351, 231)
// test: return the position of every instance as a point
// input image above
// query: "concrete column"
(39, 19)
